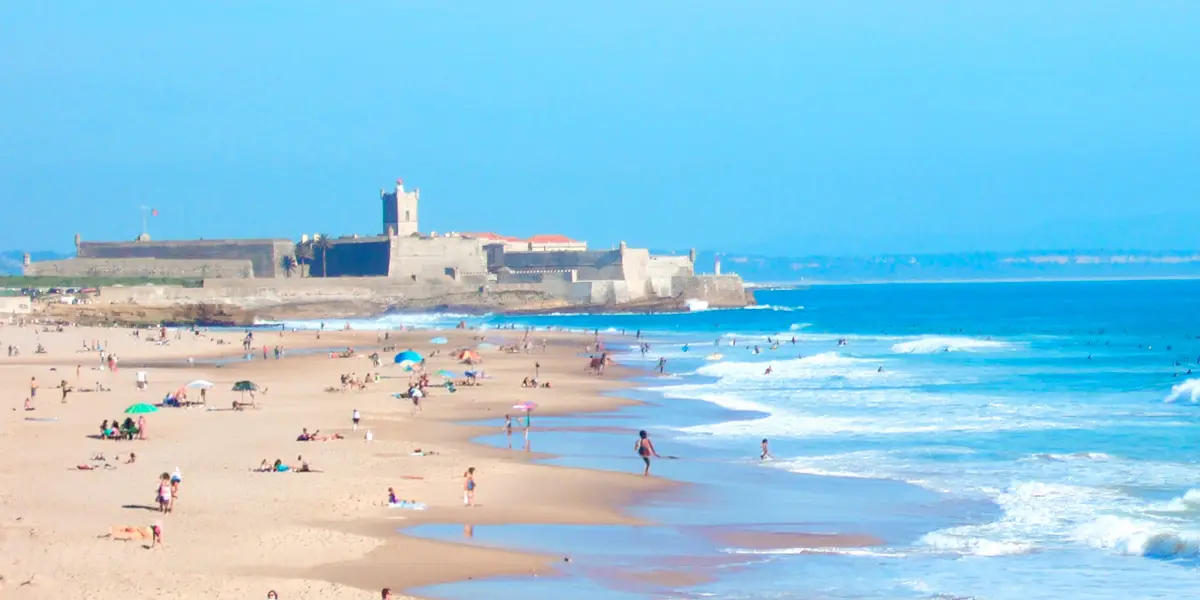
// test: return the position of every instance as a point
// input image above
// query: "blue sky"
(781, 127)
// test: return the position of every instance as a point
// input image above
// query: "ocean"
(1006, 441)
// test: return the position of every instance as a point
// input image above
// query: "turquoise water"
(1007, 441)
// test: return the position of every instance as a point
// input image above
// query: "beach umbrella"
(525, 406)
(245, 386)
(140, 408)
(199, 384)
(467, 355)
(408, 355)
(445, 373)
(439, 340)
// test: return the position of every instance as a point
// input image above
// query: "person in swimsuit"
(164, 493)
(645, 449)
(765, 452)
(508, 429)
(469, 487)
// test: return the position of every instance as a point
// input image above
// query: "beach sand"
(236, 533)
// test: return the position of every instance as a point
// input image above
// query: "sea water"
(1068, 407)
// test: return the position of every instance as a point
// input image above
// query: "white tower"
(400, 210)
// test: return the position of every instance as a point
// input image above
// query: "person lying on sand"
(315, 436)
(129, 532)
(87, 467)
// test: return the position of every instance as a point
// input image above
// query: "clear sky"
(787, 127)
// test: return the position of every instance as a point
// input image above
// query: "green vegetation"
(21, 281)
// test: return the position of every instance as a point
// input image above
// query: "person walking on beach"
(508, 429)
(469, 487)
(645, 449)
(355, 417)
(527, 428)
(662, 365)
(33, 388)
(766, 453)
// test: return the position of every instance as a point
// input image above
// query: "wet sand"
(236, 533)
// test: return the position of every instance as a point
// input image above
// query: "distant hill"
(1073, 264)
(11, 260)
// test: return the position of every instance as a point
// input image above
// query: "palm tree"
(304, 255)
(321, 242)
(288, 264)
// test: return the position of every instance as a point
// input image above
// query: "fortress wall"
(670, 266)
(265, 254)
(534, 277)
(363, 257)
(717, 290)
(428, 258)
(590, 265)
(142, 267)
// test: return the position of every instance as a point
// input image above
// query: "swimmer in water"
(766, 453)
(770, 369)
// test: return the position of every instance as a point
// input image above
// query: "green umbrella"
(245, 386)
(140, 408)
(445, 373)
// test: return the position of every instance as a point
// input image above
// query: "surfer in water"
(770, 369)
(766, 453)
(645, 449)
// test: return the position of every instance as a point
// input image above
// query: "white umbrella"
(200, 384)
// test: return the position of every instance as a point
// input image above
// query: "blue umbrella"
(408, 355)
(439, 340)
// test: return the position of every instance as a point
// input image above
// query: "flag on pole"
(154, 212)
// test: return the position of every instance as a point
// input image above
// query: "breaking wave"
(930, 344)
(1189, 389)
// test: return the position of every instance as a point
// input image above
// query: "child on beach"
(157, 531)
(645, 449)
(469, 487)
(508, 430)
(164, 493)
(355, 418)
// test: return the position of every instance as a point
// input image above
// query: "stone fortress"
(403, 263)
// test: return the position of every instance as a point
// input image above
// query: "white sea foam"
(1189, 389)
(930, 344)
(1188, 502)
(975, 546)
(386, 322)
(1140, 537)
(817, 365)
(838, 551)
(775, 308)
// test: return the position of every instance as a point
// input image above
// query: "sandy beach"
(237, 533)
